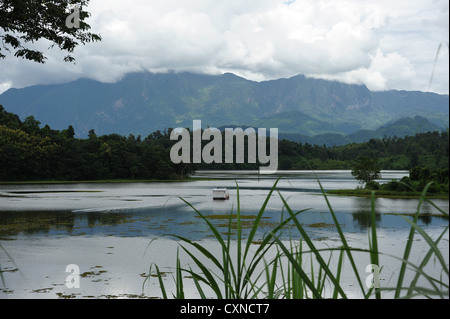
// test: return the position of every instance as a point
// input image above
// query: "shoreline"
(384, 194)
(335, 192)
(108, 181)
(204, 175)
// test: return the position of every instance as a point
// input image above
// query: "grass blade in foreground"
(425, 261)
(311, 246)
(409, 243)
(237, 278)
(241, 279)
(345, 245)
(373, 247)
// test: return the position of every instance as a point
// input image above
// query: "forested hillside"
(141, 103)
(31, 152)
(428, 149)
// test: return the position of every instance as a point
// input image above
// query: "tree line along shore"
(29, 152)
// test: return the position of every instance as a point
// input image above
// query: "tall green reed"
(257, 275)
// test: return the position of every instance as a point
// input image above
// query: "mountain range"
(301, 108)
(400, 128)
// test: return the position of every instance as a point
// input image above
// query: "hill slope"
(141, 103)
(401, 128)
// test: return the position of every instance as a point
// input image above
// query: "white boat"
(220, 193)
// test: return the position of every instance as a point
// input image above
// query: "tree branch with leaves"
(23, 22)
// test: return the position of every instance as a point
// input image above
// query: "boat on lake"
(220, 193)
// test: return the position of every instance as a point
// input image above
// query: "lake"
(40, 223)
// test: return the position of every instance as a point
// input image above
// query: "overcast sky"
(384, 44)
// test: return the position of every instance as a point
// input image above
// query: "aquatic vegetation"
(274, 268)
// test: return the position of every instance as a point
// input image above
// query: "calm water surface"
(114, 231)
(156, 209)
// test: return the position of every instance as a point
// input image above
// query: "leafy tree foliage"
(418, 178)
(366, 169)
(29, 152)
(431, 149)
(25, 21)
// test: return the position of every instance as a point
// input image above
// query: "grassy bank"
(385, 194)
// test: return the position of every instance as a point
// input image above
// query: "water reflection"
(362, 214)
(183, 222)
(154, 209)
(363, 218)
(61, 223)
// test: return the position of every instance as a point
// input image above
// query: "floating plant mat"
(246, 221)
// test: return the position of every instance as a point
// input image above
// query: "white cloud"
(383, 44)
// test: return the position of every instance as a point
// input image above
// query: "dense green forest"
(31, 152)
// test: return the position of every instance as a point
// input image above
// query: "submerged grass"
(276, 268)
